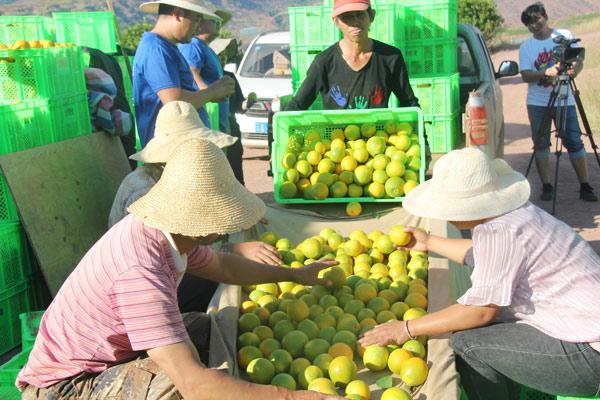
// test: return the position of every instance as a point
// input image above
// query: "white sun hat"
(196, 6)
(468, 186)
(220, 44)
(177, 122)
(198, 195)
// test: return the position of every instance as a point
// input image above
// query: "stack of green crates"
(30, 322)
(13, 28)
(43, 100)
(427, 33)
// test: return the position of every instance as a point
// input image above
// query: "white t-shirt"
(536, 55)
(540, 271)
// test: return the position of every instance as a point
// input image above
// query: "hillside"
(268, 14)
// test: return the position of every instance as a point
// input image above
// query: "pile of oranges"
(301, 337)
(33, 44)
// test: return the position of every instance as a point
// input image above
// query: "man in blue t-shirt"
(205, 65)
(160, 73)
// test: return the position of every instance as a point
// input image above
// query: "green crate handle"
(314, 14)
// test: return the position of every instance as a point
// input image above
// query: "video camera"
(564, 53)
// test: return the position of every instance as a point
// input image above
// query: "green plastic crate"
(90, 29)
(40, 73)
(13, 28)
(300, 122)
(127, 81)
(30, 324)
(312, 26)
(431, 57)
(213, 114)
(8, 208)
(388, 25)
(438, 95)
(69, 117)
(14, 261)
(8, 375)
(434, 19)
(13, 301)
(532, 394)
(9, 392)
(301, 59)
(24, 125)
(442, 132)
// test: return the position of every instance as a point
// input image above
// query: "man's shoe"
(547, 192)
(586, 192)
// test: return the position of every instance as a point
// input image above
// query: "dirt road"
(583, 217)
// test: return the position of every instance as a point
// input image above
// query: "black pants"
(235, 152)
(194, 293)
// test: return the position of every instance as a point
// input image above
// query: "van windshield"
(267, 59)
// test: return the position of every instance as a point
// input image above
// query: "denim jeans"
(571, 139)
(493, 361)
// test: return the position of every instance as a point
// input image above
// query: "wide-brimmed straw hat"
(196, 6)
(344, 6)
(177, 122)
(198, 195)
(468, 186)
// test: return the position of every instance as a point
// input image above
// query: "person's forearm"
(533, 76)
(454, 249)
(212, 384)
(457, 317)
(197, 99)
(238, 270)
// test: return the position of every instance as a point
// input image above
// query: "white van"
(265, 70)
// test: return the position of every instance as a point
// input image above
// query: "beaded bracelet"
(407, 331)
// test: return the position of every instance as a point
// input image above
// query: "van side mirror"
(507, 68)
(231, 67)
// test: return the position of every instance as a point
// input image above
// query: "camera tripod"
(559, 98)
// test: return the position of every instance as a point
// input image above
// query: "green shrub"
(132, 34)
(481, 13)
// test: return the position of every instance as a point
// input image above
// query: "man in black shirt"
(357, 72)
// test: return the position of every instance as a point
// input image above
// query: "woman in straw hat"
(178, 122)
(532, 315)
(124, 294)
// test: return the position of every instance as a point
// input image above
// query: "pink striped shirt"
(541, 272)
(120, 300)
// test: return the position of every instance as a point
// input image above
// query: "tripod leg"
(555, 181)
(584, 119)
(529, 165)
